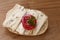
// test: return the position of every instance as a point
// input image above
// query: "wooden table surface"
(50, 7)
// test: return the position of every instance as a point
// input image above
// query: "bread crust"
(42, 31)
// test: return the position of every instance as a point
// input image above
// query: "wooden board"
(50, 7)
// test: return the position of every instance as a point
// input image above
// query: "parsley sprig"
(31, 21)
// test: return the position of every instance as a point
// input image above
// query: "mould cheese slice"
(13, 17)
(40, 22)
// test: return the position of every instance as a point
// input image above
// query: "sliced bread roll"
(14, 24)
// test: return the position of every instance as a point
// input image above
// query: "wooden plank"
(49, 7)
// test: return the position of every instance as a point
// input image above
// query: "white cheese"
(32, 12)
(20, 29)
(28, 32)
(40, 21)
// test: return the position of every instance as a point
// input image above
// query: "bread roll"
(14, 24)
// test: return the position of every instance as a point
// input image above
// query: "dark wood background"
(50, 7)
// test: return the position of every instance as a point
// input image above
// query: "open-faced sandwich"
(24, 21)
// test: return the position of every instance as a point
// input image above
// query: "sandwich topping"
(29, 22)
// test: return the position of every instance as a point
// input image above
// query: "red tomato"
(29, 22)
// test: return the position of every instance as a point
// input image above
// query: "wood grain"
(50, 7)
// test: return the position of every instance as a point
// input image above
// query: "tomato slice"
(29, 22)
